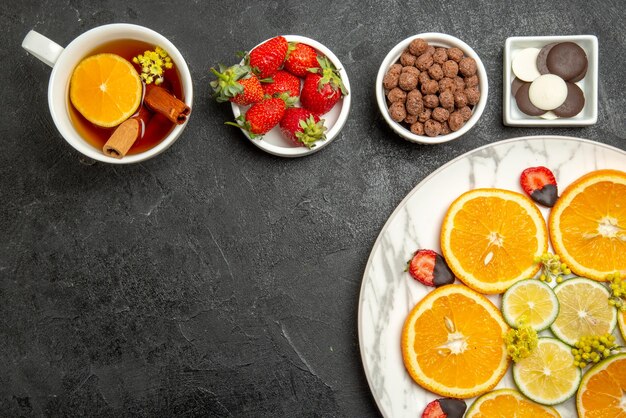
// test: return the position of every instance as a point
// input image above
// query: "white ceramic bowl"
(437, 40)
(512, 116)
(273, 141)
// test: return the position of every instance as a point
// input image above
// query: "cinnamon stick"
(127, 133)
(161, 101)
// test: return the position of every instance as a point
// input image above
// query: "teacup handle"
(43, 48)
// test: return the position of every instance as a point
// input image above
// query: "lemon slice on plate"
(509, 403)
(531, 301)
(584, 310)
(548, 376)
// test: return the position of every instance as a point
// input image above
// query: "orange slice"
(602, 392)
(490, 237)
(105, 89)
(452, 342)
(509, 403)
(588, 224)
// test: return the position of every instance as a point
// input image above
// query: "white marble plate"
(388, 293)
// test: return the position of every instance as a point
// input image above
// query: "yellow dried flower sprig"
(520, 342)
(617, 285)
(551, 268)
(153, 64)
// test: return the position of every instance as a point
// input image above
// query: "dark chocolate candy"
(581, 75)
(524, 104)
(515, 85)
(453, 408)
(546, 196)
(573, 104)
(541, 58)
(442, 274)
(567, 60)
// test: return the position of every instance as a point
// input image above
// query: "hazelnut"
(447, 84)
(460, 99)
(395, 69)
(471, 81)
(410, 69)
(466, 112)
(410, 119)
(459, 83)
(445, 128)
(423, 77)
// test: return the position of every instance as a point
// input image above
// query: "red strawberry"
(261, 117)
(281, 82)
(430, 268)
(539, 183)
(300, 58)
(302, 127)
(267, 58)
(445, 408)
(236, 84)
(322, 88)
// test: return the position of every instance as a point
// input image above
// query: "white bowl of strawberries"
(290, 95)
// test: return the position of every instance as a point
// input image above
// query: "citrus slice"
(601, 392)
(548, 376)
(452, 342)
(584, 310)
(105, 89)
(490, 237)
(531, 301)
(588, 224)
(621, 321)
(509, 403)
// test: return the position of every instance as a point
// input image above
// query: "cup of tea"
(118, 93)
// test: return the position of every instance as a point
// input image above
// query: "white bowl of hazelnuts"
(431, 88)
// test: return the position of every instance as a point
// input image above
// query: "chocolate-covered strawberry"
(322, 88)
(540, 184)
(282, 82)
(430, 268)
(268, 57)
(300, 58)
(302, 127)
(262, 116)
(236, 84)
(445, 408)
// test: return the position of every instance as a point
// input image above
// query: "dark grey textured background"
(217, 280)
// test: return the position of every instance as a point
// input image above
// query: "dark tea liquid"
(157, 128)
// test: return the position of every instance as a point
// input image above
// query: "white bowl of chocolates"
(550, 81)
(431, 88)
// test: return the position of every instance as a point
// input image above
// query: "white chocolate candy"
(525, 64)
(547, 92)
(549, 116)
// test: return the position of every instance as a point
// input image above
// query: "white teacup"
(64, 60)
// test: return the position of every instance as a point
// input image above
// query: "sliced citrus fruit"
(509, 403)
(532, 302)
(588, 224)
(548, 376)
(490, 237)
(584, 310)
(602, 392)
(621, 321)
(105, 89)
(452, 342)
